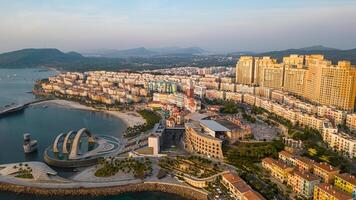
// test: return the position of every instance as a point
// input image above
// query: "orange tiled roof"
(242, 186)
(252, 195)
(278, 163)
(347, 177)
(232, 178)
(305, 175)
(326, 167)
(286, 154)
(305, 160)
(333, 191)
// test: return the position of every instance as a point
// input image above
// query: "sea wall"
(183, 191)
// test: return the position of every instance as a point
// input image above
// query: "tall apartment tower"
(245, 69)
(314, 63)
(338, 85)
(272, 76)
(260, 65)
(294, 74)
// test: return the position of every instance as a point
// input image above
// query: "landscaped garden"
(252, 151)
(140, 168)
(24, 171)
(193, 166)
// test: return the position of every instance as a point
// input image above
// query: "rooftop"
(277, 163)
(306, 176)
(286, 154)
(333, 191)
(326, 167)
(213, 125)
(305, 160)
(348, 177)
(252, 195)
(231, 177)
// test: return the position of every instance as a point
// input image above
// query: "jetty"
(19, 108)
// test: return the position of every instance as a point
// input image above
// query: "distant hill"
(37, 57)
(113, 53)
(317, 48)
(179, 50)
(131, 60)
(330, 53)
(142, 58)
(144, 52)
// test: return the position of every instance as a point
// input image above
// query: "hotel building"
(196, 140)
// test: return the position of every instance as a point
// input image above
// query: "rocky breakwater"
(183, 191)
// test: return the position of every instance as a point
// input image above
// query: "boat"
(29, 145)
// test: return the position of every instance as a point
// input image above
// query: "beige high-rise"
(312, 77)
(272, 76)
(314, 63)
(294, 79)
(245, 69)
(260, 65)
(338, 85)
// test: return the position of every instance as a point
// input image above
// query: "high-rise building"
(294, 60)
(245, 69)
(260, 65)
(312, 77)
(294, 79)
(312, 85)
(271, 76)
(338, 85)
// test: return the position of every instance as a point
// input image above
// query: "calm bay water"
(44, 124)
(16, 84)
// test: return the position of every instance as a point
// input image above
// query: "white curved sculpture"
(74, 150)
(55, 144)
(65, 142)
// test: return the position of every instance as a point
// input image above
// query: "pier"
(19, 108)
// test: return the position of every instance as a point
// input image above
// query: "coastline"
(183, 191)
(129, 118)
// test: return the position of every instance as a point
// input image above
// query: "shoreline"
(130, 118)
(183, 191)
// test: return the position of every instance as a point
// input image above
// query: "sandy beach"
(129, 118)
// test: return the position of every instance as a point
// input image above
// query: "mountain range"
(142, 58)
(330, 53)
(144, 52)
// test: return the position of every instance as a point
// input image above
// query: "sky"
(214, 25)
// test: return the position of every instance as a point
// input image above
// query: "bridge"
(19, 107)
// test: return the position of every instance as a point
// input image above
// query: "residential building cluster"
(319, 117)
(310, 179)
(261, 82)
(312, 77)
(221, 71)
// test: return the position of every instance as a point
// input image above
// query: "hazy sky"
(215, 25)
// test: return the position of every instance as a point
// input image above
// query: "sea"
(44, 123)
